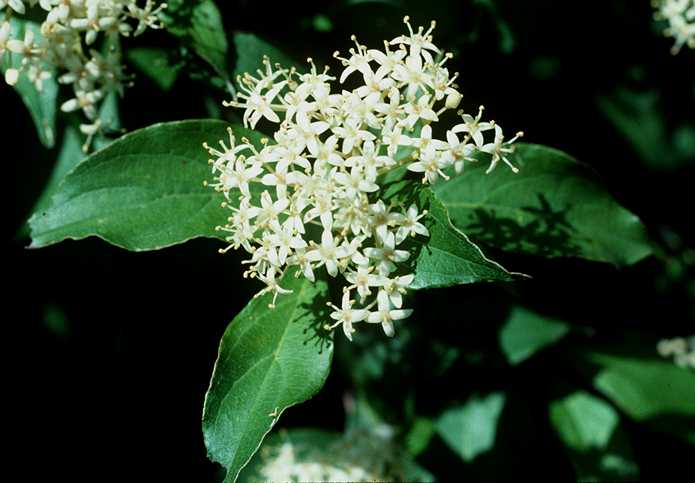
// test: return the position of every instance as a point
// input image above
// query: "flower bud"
(11, 76)
(453, 100)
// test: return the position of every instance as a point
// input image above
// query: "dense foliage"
(553, 322)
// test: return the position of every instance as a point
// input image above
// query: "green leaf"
(41, 104)
(470, 429)
(144, 191)
(658, 393)
(525, 333)
(155, 64)
(71, 153)
(250, 50)
(419, 436)
(208, 36)
(554, 207)
(69, 156)
(639, 117)
(449, 257)
(596, 443)
(110, 119)
(199, 24)
(269, 360)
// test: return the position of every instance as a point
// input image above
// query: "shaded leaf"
(155, 64)
(208, 36)
(40, 104)
(470, 429)
(269, 360)
(419, 436)
(553, 207)
(525, 333)
(449, 258)
(655, 392)
(250, 50)
(199, 24)
(639, 118)
(71, 153)
(69, 156)
(590, 429)
(142, 192)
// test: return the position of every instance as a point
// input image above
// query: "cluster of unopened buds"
(312, 197)
(681, 349)
(680, 16)
(67, 43)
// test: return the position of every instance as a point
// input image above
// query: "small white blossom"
(327, 253)
(681, 349)
(386, 314)
(680, 16)
(346, 315)
(409, 225)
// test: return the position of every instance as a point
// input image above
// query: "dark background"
(110, 352)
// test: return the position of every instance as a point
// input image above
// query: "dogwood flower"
(58, 48)
(325, 169)
(681, 349)
(680, 17)
(386, 314)
(346, 315)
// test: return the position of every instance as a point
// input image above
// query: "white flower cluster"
(681, 349)
(67, 41)
(286, 466)
(359, 455)
(324, 168)
(680, 15)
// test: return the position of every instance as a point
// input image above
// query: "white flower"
(346, 315)
(682, 350)
(85, 100)
(11, 76)
(413, 74)
(327, 253)
(680, 16)
(358, 61)
(355, 182)
(380, 218)
(370, 160)
(431, 164)
(408, 224)
(500, 149)
(16, 5)
(386, 255)
(362, 279)
(419, 109)
(59, 50)
(396, 287)
(353, 134)
(285, 240)
(330, 160)
(259, 105)
(270, 279)
(385, 314)
(425, 142)
(4, 36)
(417, 40)
(387, 60)
(270, 210)
(473, 127)
(458, 151)
(299, 258)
